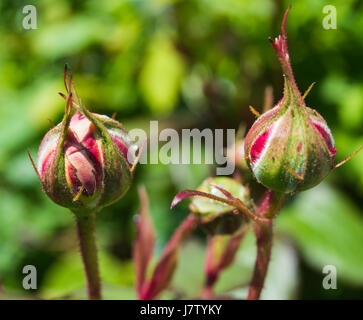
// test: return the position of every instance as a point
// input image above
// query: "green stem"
(88, 248)
(270, 206)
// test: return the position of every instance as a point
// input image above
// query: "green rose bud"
(290, 147)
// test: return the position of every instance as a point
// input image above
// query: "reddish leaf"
(2, 290)
(180, 196)
(164, 269)
(230, 200)
(144, 241)
(221, 251)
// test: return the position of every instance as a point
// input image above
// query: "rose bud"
(83, 162)
(290, 147)
(214, 203)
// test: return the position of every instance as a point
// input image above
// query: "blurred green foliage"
(192, 63)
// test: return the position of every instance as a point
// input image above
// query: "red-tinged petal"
(324, 131)
(259, 145)
(46, 162)
(76, 185)
(80, 169)
(122, 147)
(81, 166)
(80, 125)
(86, 134)
(120, 137)
(90, 143)
(46, 150)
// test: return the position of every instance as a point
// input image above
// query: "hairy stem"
(88, 248)
(280, 46)
(270, 205)
(264, 243)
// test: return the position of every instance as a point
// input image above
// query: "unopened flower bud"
(217, 217)
(83, 162)
(290, 147)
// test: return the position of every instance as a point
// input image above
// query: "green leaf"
(278, 285)
(233, 281)
(189, 274)
(67, 275)
(328, 229)
(69, 36)
(240, 272)
(351, 104)
(282, 285)
(161, 75)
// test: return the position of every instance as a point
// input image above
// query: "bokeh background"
(188, 64)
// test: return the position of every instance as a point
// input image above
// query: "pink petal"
(46, 162)
(121, 146)
(326, 135)
(258, 145)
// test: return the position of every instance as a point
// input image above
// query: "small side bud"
(217, 203)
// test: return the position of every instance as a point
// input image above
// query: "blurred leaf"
(20, 171)
(68, 36)
(221, 252)
(329, 230)
(233, 281)
(44, 102)
(67, 275)
(109, 292)
(351, 107)
(240, 272)
(189, 277)
(161, 75)
(351, 171)
(165, 266)
(25, 223)
(282, 285)
(279, 285)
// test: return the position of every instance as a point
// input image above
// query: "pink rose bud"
(83, 162)
(290, 147)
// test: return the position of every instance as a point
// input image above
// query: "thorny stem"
(269, 207)
(88, 248)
